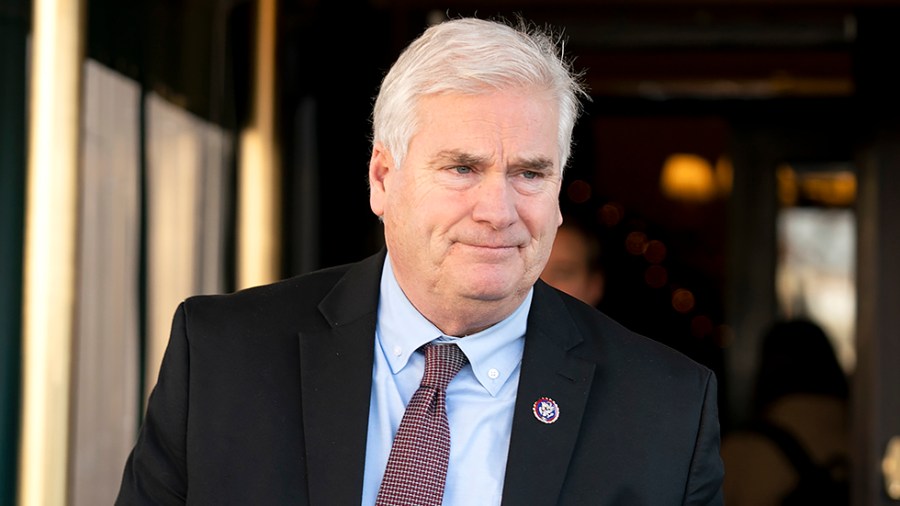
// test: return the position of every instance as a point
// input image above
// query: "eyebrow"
(459, 157)
(539, 164)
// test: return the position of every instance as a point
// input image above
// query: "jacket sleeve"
(156, 470)
(707, 470)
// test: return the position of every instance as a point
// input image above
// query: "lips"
(490, 253)
(491, 242)
(490, 245)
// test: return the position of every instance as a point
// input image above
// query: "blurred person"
(800, 394)
(574, 265)
(293, 392)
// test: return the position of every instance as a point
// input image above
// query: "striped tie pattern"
(417, 465)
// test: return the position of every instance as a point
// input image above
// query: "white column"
(50, 245)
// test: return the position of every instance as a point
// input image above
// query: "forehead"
(518, 123)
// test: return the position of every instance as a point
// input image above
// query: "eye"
(530, 174)
(462, 169)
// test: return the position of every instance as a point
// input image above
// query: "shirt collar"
(494, 353)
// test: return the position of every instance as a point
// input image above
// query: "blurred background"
(735, 163)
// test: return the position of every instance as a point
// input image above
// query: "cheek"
(400, 199)
(414, 218)
(542, 217)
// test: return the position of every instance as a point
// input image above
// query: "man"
(574, 264)
(292, 393)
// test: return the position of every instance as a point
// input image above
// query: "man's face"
(471, 214)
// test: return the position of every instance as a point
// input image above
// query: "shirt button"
(493, 373)
(398, 351)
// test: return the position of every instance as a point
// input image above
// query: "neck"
(467, 317)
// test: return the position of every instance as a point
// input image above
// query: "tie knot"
(442, 362)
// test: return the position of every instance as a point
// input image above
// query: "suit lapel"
(336, 382)
(539, 452)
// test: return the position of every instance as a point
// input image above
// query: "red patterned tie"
(417, 466)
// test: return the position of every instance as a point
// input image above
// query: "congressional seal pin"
(546, 410)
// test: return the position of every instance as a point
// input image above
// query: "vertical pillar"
(750, 295)
(876, 404)
(259, 198)
(49, 254)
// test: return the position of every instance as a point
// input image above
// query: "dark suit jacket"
(263, 399)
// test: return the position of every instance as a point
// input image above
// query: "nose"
(495, 202)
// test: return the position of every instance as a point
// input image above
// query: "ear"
(380, 165)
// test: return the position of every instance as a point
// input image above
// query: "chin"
(492, 290)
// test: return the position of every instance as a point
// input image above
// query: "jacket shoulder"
(291, 301)
(608, 341)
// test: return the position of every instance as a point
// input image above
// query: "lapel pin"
(546, 410)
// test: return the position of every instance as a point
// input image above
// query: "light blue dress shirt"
(480, 398)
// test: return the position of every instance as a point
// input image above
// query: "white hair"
(473, 56)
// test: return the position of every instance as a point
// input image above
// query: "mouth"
(489, 249)
(490, 244)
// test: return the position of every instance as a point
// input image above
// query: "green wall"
(14, 23)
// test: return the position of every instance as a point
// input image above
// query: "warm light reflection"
(787, 185)
(890, 468)
(724, 175)
(688, 177)
(259, 203)
(611, 213)
(682, 300)
(579, 191)
(636, 243)
(829, 188)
